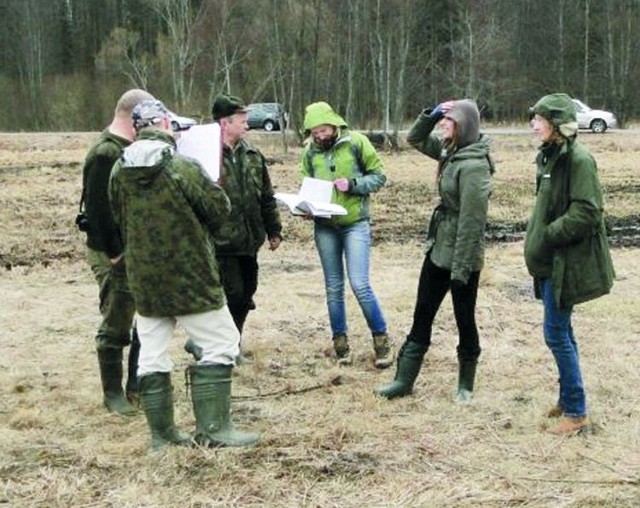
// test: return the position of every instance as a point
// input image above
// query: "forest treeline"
(378, 62)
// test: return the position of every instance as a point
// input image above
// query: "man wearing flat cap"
(254, 214)
(167, 210)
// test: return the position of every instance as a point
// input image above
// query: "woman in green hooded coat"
(566, 249)
(455, 240)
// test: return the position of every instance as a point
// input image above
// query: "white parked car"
(595, 119)
(181, 123)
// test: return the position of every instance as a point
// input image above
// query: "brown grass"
(327, 440)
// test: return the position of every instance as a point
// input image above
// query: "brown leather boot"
(342, 349)
(568, 425)
(383, 349)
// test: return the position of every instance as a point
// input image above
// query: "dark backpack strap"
(356, 151)
(309, 155)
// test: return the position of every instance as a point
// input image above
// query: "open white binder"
(314, 197)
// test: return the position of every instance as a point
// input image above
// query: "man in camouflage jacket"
(254, 214)
(167, 210)
(105, 258)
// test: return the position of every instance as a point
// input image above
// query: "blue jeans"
(354, 243)
(558, 335)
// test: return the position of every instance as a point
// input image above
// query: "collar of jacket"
(241, 146)
(157, 135)
(107, 134)
(552, 150)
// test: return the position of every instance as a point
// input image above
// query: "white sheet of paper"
(314, 189)
(204, 144)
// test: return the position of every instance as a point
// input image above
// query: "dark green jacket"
(254, 213)
(455, 240)
(167, 210)
(352, 157)
(566, 237)
(103, 233)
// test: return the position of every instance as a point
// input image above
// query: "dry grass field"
(327, 440)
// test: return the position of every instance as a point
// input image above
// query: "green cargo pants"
(116, 302)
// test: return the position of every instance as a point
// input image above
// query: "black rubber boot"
(110, 361)
(156, 398)
(211, 397)
(132, 369)
(466, 379)
(408, 366)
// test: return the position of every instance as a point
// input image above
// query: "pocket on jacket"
(588, 270)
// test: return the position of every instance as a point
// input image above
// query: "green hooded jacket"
(254, 212)
(455, 239)
(167, 210)
(566, 236)
(352, 156)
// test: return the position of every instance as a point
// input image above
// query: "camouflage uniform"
(254, 217)
(166, 207)
(103, 241)
(167, 210)
(116, 302)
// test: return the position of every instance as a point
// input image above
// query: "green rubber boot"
(110, 361)
(409, 364)
(466, 379)
(211, 397)
(156, 398)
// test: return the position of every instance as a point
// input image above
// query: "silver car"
(595, 119)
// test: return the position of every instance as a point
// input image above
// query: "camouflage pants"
(239, 276)
(116, 301)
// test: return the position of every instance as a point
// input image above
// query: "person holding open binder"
(349, 160)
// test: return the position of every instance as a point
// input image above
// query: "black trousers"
(239, 276)
(432, 288)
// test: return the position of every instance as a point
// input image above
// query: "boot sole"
(383, 363)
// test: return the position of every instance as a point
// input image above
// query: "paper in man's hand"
(204, 144)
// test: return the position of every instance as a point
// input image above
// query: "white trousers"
(214, 331)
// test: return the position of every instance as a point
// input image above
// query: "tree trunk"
(585, 75)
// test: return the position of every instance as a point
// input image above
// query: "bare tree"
(353, 51)
(180, 19)
(121, 53)
(621, 30)
(30, 59)
(561, 43)
(585, 75)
